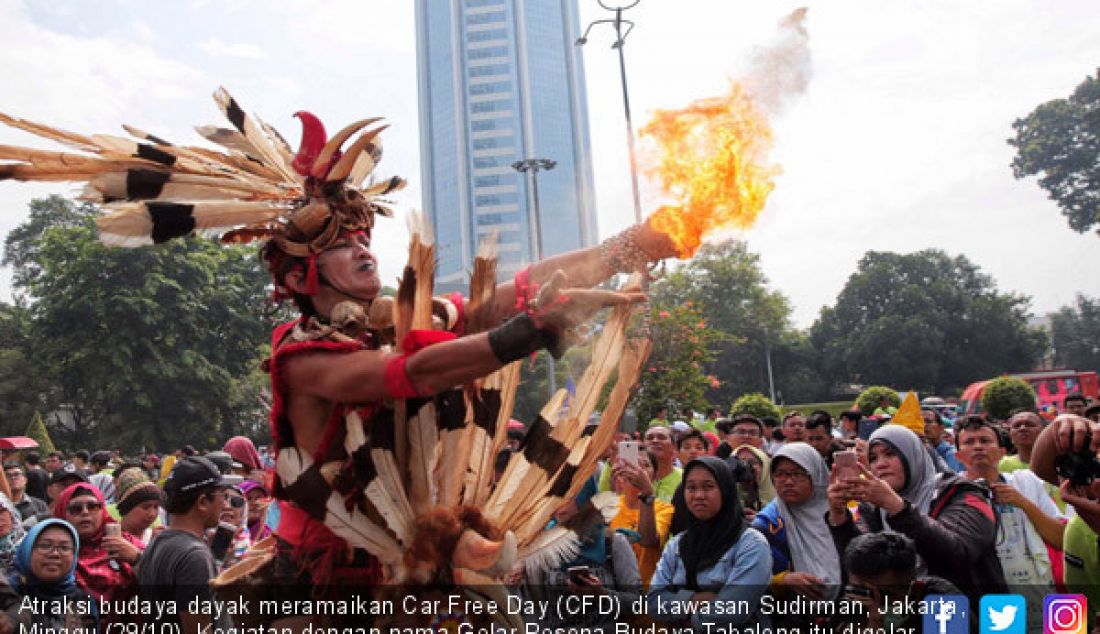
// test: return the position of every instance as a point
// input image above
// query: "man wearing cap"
(31, 509)
(63, 477)
(178, 565)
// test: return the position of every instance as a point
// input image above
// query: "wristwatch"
(647, 499)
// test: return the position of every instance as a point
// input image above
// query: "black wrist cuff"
(519, 337)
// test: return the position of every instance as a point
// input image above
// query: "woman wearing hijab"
(103, 564)
(11, 533)
(45, 567)
(948, 517)
(244, 452)
(235, 513)
(804, 559)
(714, 559)
(756, 497)
(258, 499)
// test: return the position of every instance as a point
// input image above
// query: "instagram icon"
(1064, 614)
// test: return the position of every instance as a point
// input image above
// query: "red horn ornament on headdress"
(314, 138)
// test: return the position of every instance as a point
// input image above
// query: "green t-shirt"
(653, 422)
(666, 486)
(663, 488)
(709, 424)
(1082, 559)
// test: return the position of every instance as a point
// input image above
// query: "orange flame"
(714, 164)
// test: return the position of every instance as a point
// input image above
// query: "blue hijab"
(24, 581)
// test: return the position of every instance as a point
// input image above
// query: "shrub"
(1004, 394)
(870, 398)
(756, 404)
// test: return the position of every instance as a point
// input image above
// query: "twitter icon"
(1003, 614)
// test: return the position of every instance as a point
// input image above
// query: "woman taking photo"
(103, 564)
(715, 558)
(45, 570)
(948, 517)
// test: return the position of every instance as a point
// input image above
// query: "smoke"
(779, 72)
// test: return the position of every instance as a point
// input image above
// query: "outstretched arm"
(370, 375)
(586, 268)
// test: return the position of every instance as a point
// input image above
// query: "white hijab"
(808, 537)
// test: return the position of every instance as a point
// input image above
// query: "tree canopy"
(923, 321)
(1060, 142)
(1075, 331)
(152, 347)
(726, 282)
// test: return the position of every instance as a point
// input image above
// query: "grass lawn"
(833, 408)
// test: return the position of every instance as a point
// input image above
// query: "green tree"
(675, 375)
(1004, 394)
(726, 281)
(151, 347)
(20, 389)
(1075, 335)
(37, 431)
(870, 398)
(923, 321)
(1060, 142)
(756, 404)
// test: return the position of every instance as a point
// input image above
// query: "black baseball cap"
(68, 471)
(191, 474)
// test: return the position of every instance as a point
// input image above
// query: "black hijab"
(704, 543)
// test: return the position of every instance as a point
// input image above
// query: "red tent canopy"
(17, 442)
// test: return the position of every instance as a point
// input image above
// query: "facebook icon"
(946, 614)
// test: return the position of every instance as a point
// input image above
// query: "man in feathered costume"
(387, 412)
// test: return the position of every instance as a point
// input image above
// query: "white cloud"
(219, 49)
(898, 143)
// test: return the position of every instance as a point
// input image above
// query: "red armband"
(525, 290)
(398, 384)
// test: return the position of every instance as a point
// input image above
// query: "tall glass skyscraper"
(501, 81)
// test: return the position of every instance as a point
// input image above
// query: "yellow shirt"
(648, 556)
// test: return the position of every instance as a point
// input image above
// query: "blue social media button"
(1003, 614)
(946, 614)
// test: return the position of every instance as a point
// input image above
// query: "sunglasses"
(77, 508)
(235, 501)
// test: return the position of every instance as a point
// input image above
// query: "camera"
(1080, 468)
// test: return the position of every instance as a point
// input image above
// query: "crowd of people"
(81, 536)
(804, 513)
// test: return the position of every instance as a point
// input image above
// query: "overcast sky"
(898, 142)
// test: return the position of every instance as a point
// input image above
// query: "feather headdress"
(256, 187)
(423, 462)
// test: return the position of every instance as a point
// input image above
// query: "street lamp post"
(620, 40)
(532, 167)
(768, 360)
